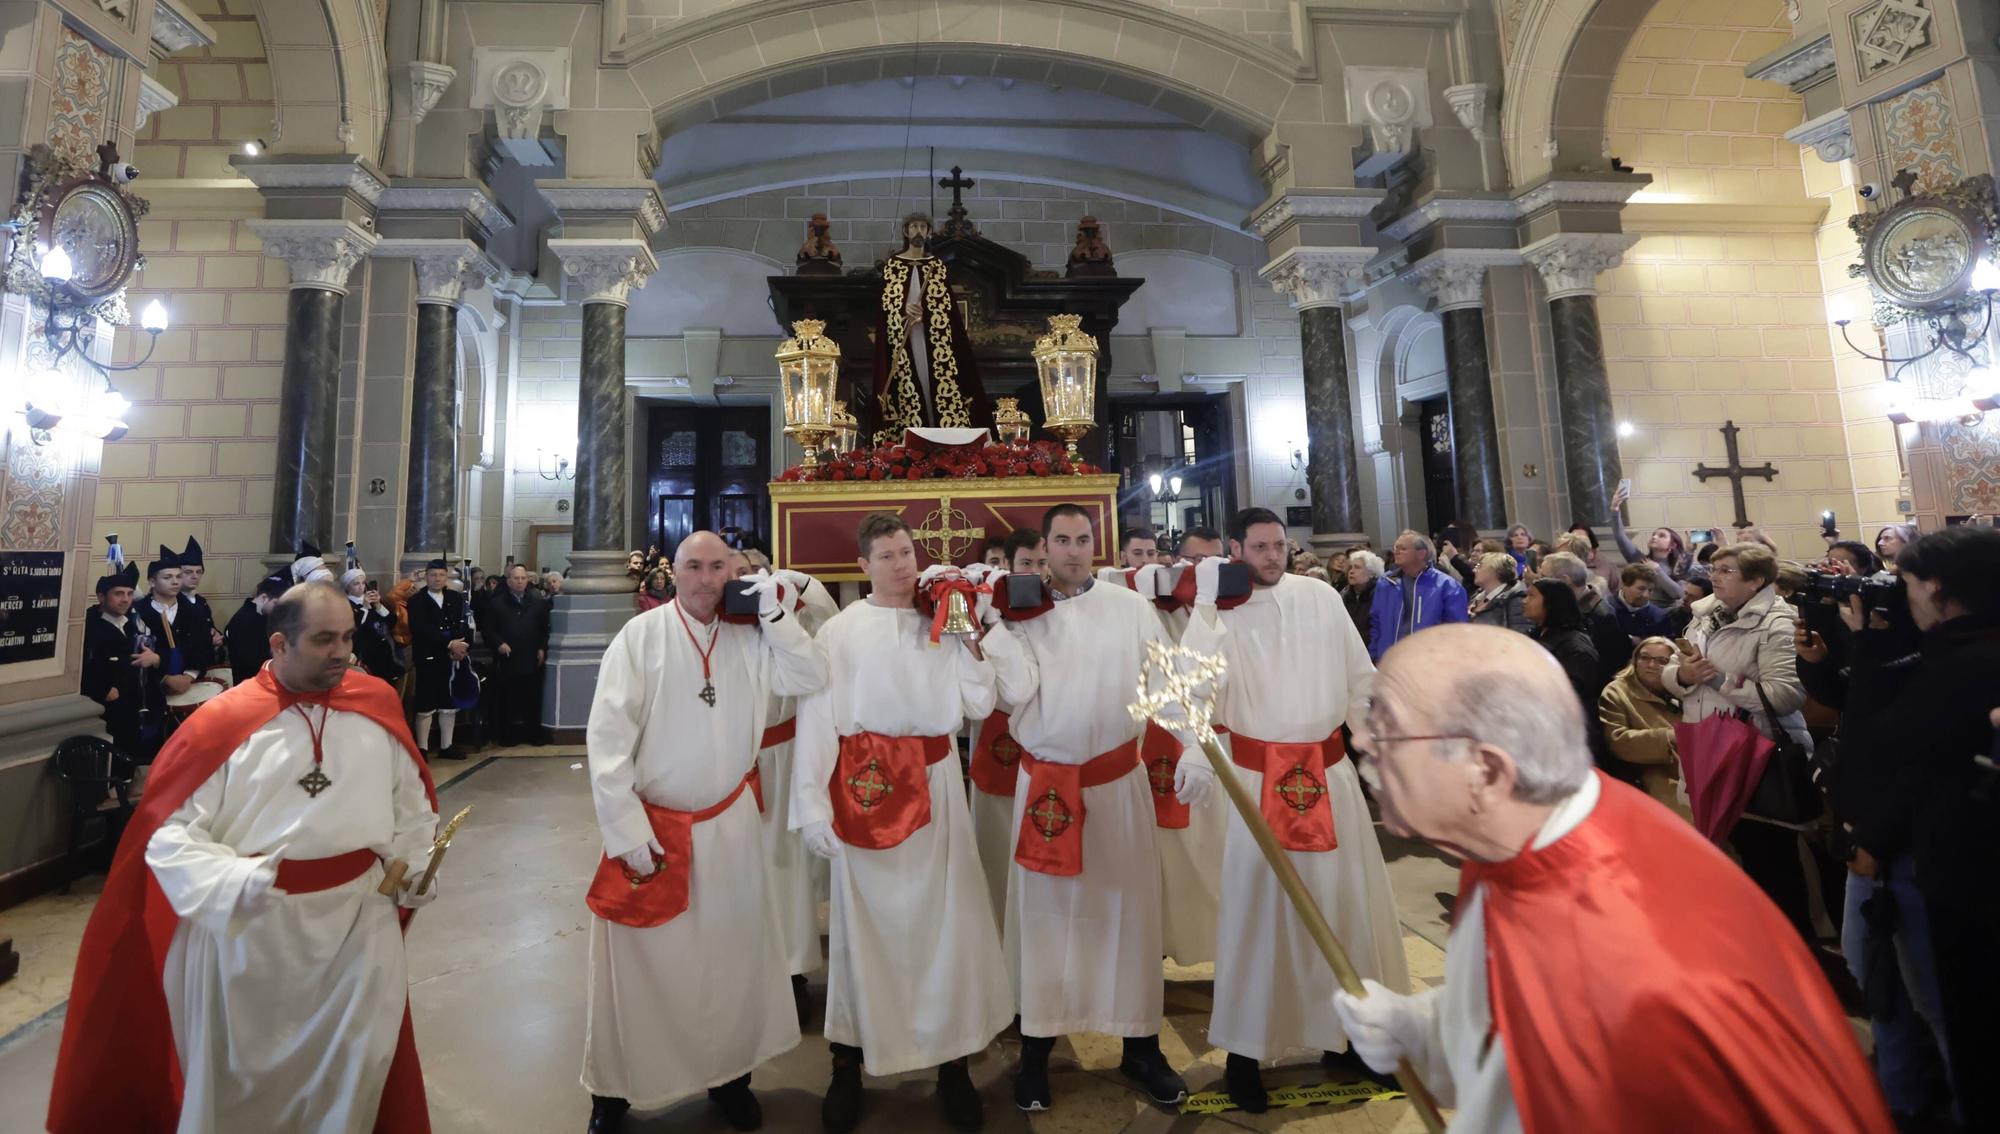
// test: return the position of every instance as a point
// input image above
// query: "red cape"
(117, 1068)
(1642, 983)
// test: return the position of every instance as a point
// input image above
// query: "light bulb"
(56, 265)
(1985, 276)
(1175, 484)
(1625, 429)
(250, 148)
(1840, 310)
(1982, 382)
(1154, 482)
(154, 317)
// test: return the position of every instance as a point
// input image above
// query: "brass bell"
(958, 615)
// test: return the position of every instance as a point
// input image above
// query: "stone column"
(1569, 264)
(1317, 281)
(321, 256)
(597, 595)
(446, 269)
(1457, 285)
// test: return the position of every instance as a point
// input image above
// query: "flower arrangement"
(902, 462)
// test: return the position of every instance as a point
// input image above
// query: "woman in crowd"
(1571, 543)
(1336, 571)
(1665, 551)
(1743, 641)
(1363, 568)
(1501, 597)
(1519, 541)
(1601, 568)
(1551, 606)
(1304, 563)
(1638, 716)
(1890, 542)
(1851, 557)
(658, 589)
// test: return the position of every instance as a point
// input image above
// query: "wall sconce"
(1298, 456)
(553, 466)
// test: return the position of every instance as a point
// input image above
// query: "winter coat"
(1507, 607)
(1649, 620)
(1360, 603)
(1639, 729)
(1440, 599)
(1754, 648)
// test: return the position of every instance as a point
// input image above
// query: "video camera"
(1879, 592)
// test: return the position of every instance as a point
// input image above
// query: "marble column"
(321, 256)
(445, 271)
(1457, 285)
(1317, 281)
(597, 595)
(1569, 264)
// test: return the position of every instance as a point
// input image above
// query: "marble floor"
(497, 969)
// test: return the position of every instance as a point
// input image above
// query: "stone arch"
(1399, 466)
(329, 76)
(699, 69)
(1558, 88)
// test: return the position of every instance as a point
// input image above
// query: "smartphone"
(1685, 647)
(1624, 487)
(1827, 526)
(1699, 536)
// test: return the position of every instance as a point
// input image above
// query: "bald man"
(687, 980)
(1633, 977)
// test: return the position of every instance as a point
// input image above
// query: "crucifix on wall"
(956, 225)
(1736, 471)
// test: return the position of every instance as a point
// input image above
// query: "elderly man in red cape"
(243, 969)
(1608, 969)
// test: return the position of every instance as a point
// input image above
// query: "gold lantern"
(1067, 360)
(809, 368)
(846, 430)
(1010, 423)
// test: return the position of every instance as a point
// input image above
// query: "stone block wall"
(1268, 22)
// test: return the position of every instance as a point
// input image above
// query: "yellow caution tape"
(1307, 1094)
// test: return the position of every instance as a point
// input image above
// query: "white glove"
(820, 839)
(1385, 1027)
(1208, 580)
(982, 572)
(1146, 580)
(982, 608)
(770, 592)
(1194, 780)
(639, 860)
(409, 899)
(934, 572)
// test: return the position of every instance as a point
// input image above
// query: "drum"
(220, 674)
(181, 705)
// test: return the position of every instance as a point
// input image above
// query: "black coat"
(199, 642)
(374, 648)
(191, 628)
(1360, 603)
(432, 630)
(248, 641)
(107, 666)
(523, 624)
(1612, 644)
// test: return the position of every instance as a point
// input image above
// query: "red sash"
(1051, 839)
(781, 733)
(616, 894)
(881, 790)
(995, 756)
(1161, 754)
(311, 875)
(1294, 800)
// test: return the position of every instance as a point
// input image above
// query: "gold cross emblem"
(945, 534)
(1051, 816)
(1006, 751)
(1161, 773)
(1300, 790)
(869, 788)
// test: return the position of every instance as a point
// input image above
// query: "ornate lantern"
(846, 430)
(1067, 360)
(1010, 423)
(809, 368)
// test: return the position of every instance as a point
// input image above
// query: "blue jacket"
(1648, 621)
(1440, 599)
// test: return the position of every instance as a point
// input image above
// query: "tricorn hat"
(129, 577)
(191, 554)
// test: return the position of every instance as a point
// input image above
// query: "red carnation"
(876, 474)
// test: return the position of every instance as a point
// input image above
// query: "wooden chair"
(100, 781)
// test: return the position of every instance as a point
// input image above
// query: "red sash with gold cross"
(1294, 801)
(881, 787)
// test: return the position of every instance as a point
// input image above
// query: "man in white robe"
(995, 753)
(269, 823)
(1083, 925)
(687, 982)
(914, 976)
(794, 878)
(1296, 667)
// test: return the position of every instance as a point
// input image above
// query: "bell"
(958, 615)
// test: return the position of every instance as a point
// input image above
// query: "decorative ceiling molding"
(1831, 136)
(1342, 204)
(455, 197)
(1407, 226)
(1804, 62)
(176, 28)
(427, 84)
(1468, 103)
(1393, 103)
(638, 200)
(306, 171)
(1610, 190)
(519, 85)
(154, 97)
(1318, 277)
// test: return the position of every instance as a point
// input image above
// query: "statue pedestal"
(595, 603)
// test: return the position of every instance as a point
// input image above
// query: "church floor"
(497, 972)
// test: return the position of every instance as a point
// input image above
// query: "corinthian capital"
(1571, 261)
(1457, 278)
(446, 269)
(605, 271)
(1318, 277)
(320, 253)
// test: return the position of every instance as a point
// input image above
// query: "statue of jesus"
(924, 373)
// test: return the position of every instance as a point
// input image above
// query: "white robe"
(1296, 668)
(287, 1018)
(1191, 861)
(993, 833)
(1460, 1063)
(794, 878)
(677, 1008)
(914, 973)
(1085, 949)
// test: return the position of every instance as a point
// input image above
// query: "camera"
(1881, 591)
(1870, 191)
(123, 172)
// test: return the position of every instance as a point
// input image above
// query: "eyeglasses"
(1651, 659)
(1382, 742)
(1715, 572)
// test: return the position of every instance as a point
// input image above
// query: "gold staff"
(1186, 680)
(392, 879)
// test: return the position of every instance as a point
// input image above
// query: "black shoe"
(453, 753)
(1145, 1065)
(958, 1098)
(840, 1111)
(607, 1114)
(1245, 1084)
(738, 1104)
(801, 999)
(1031, 1081)
(1348, 1061)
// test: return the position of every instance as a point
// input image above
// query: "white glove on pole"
(639, 860)
(1194, 780)
(933, 573)
(1146, 580)
(770, 593)
(983, 607)
(820, 839)
(1385, 1027)
(979, 573)
(1208, 580)
(408, 898)
(1113, 575)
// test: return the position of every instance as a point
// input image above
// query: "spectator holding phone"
(1666, 553)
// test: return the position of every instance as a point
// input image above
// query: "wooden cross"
(869, 788)
(1299, 790)
(1736, 471)
(957, 183)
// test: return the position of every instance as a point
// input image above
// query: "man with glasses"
(1295, 666)
(1607, 968)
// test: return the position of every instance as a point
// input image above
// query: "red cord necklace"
(714, 629)
(315, 781)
